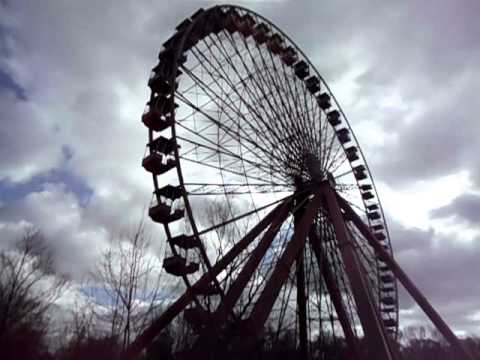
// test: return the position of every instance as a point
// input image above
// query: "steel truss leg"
(375, 334)
(335, 295)
(147, 336)
(302, 307)
(301, 296)
(270, 293)
(350, 214)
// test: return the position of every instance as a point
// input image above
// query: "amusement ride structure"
(238, 118)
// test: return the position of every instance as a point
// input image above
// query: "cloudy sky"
(73, 86)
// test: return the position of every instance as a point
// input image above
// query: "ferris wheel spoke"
(336, 154)
(279, 102)
(263, 96)
(325, 136)
(194, 67)
(329, 148)
(217, 99)
(362, 245)
(257, 98)
(242, 216)
(222, 63)
(278, 85)
(304, 117)
(210, 190)
(214, 151)
(348, 172)
(273, 157)
(208, 85)
(360, 209)
(287, 114)
(225, 77)
(214, 98)
(291, 95)
(338, 163)
(316, 116)
(220, 168)
(220, 125)
(346, 187)
(263, 184)
(196, 193)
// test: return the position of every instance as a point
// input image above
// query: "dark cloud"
(27, 147)
(444, 269)
(416, 79)
(440, 141)
(407, 239)
(465, 207)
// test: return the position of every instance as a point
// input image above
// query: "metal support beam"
(335, 295)
(270, 293)
(375, 334)
(147, 336)
(302, 306)
(301, 296)
(350, 214)
(250, 266)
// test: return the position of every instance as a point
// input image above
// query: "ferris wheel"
(270, 211)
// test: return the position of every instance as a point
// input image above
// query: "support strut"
(270, 293)
(350, 214)
(301, 295)
(335, 295)
(375, 334)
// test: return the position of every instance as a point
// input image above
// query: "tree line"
(124, 292)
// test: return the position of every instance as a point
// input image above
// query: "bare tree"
(28, 288)
(128, 287)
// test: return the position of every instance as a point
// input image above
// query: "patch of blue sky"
(106, 297)
(10, 192)
(275, 249)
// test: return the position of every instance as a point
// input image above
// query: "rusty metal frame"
(235, 291)
(270, 293)
(420, 299)
(220, 316)
(302, 307)
(300, 286)
(147, 336)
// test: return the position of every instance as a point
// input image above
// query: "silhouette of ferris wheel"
(265, 196)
